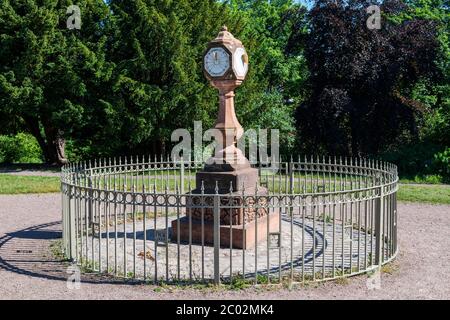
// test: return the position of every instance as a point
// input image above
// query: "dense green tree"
(158, 46)
(51, 77)
(434, 93)
(133, 73)
(429, 152)
(277, 74)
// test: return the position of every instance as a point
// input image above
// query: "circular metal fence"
(147, 219)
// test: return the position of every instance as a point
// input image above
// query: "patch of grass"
(57, 251)
(239, 283)
(342, 281)
(436, 194)
(389, 268)
(426, 179)
(13, 184)
(89, 267)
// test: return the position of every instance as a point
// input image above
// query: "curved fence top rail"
(306, 175)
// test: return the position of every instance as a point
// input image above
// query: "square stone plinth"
(241, 237)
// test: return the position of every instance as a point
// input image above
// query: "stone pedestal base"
(241, 238)
(243, 178)
(235, 208)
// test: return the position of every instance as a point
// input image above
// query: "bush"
(8, 149)
(416, 159)
(442, 164)
(19, 148)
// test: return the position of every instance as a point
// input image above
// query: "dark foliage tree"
(51, 77)
(361, 78)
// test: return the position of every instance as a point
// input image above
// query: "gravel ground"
(31, 173)
(313, 242)
(29, 223)
(30, 170)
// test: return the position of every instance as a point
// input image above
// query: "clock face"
(217, 62)
(240, 62)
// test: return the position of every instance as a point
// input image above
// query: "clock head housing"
(225, 58)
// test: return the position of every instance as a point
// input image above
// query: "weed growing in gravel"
(342, 281)
(389, 268)
(57, 250)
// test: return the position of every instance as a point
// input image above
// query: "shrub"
(8, 149)
(413, 159)
(442, 164)
(19, 148)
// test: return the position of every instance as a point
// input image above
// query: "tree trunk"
(55, 146)
(52, 146)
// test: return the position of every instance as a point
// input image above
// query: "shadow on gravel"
(28, 252)
(18, 167)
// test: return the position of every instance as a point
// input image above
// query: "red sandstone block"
(241, 237)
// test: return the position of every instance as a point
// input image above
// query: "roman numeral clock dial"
(217, 62)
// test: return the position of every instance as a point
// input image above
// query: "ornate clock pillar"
(225, 65)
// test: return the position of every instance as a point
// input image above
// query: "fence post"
(72, 221)
(216, 239)
(182, 176)
(291, 216)
(64, 219)
(379, 213)
(91, 195)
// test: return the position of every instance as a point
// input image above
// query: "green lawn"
(13, 184)
(437, 194)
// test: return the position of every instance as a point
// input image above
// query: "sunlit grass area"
(424, 179)
(436, 194)
(14, 184)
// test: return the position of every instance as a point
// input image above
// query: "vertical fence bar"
(178, 199)
(133, 197)
(379, 206)
(124, 199)
(256, 233)
(291, 215)
(182, 176)
(216, 239)
(144, 224)
(303, 209)
(115, 223)
(190, 211)
(166, 231)
(78, 243)
(395, 223)
(107, 219)
(231, 230)
(202, 212)
(63, 211)
(72, 231)
(155, 216)
(243, 231)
